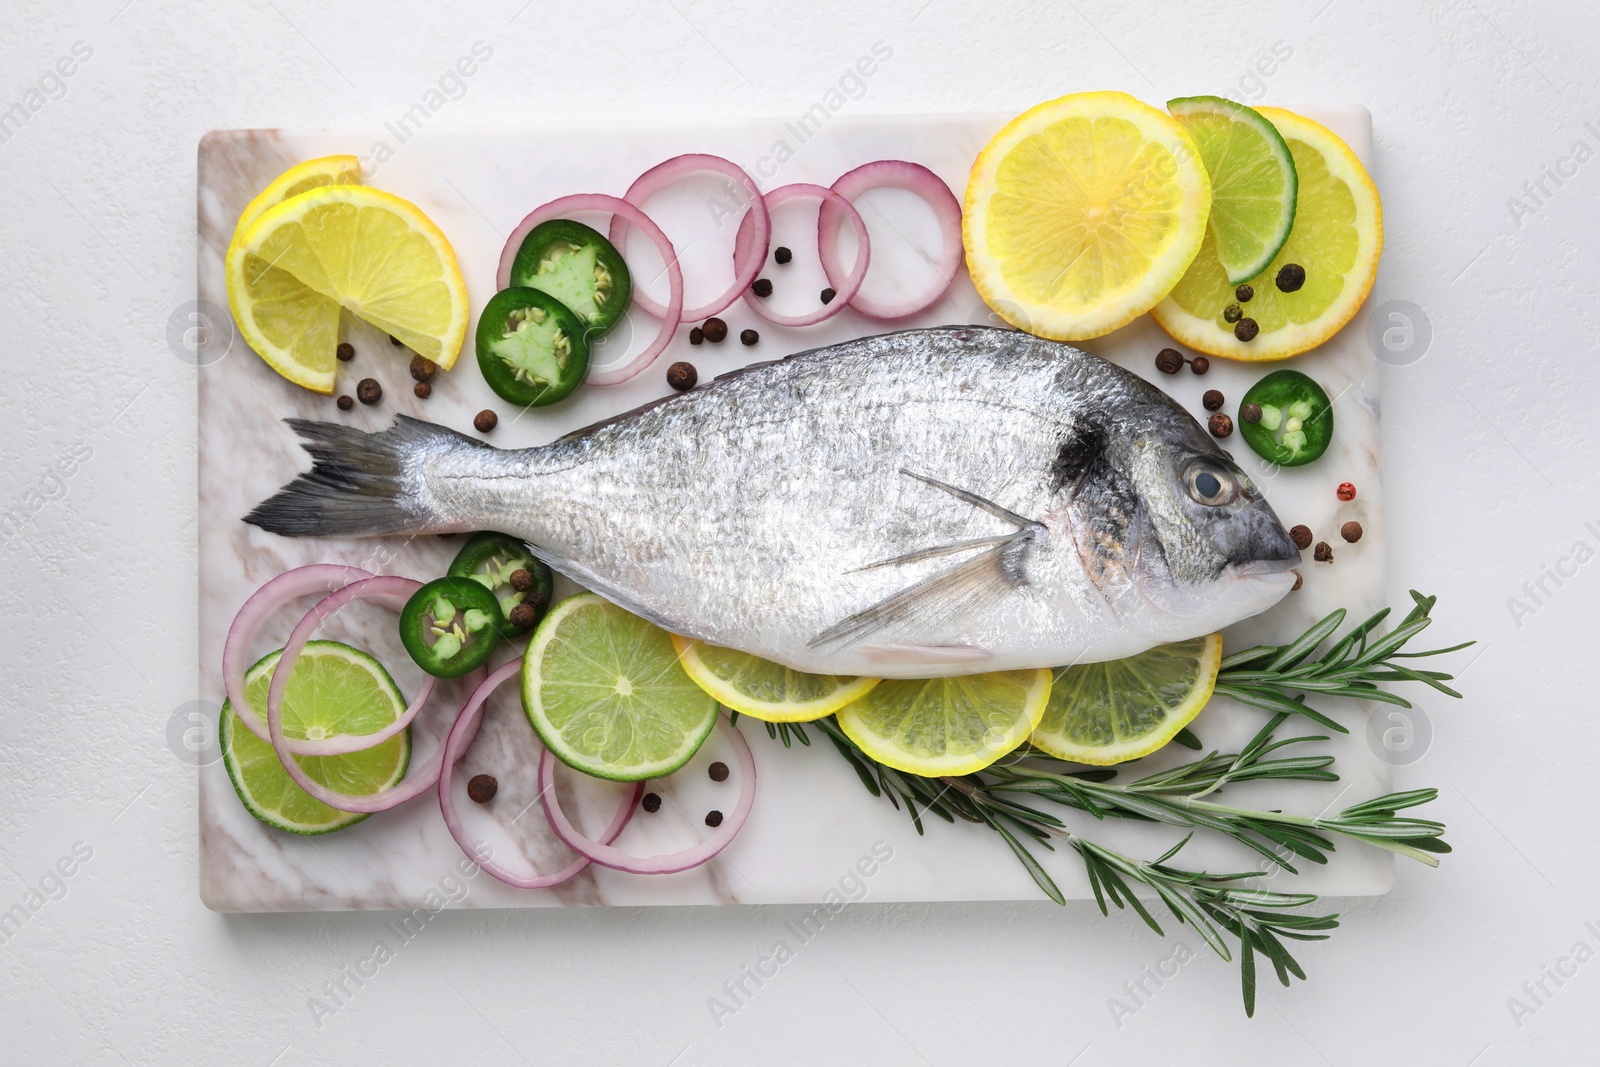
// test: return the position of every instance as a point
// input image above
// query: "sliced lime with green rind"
(605, 692)
(1253, 181)
(335, 689)
(1112, 712)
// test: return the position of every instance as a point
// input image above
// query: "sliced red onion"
(920, 181)
(581, 202)
(284, 589)
(608, 855)
(844, 291)
(387, 589)
(746, 260)
(456, 745)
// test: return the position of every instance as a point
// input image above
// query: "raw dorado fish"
(923, 503)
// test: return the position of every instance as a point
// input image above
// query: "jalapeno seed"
(682, 376)
(368, 391)
(482, 788)
(715, 330)
(1212, 400)
(761, 287)
(485, 421)
(346, 403)
(1291, 276)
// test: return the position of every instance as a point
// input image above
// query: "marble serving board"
(815, 835)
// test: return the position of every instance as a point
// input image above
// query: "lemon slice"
(1253, 182)
(293, 328)
(1337, 238)
(605, 692)
(1104, 713)
(763, 689)
(378, 256)
(335, 689)
(1083, 213)
(947, 726)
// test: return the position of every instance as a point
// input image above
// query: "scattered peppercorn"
(1231, 313)
(1220, 425)
(748, 337)
(1323, 553)
(762, 287)
(697, 336)
(1291, 276)
(1246, 329)
(1169, 361)
(1250, 413)
(423, 369)
(782, 254)
(713, 818)
(828, 295)
(651, 803)
(1298, 582)
(523, 617)
(1244, 294)
(682, 376)
(715, 329)
(346, 351)
(1346, 492)
(1199, 364)
(485, 421)
(368, 391)
(522, 579)
(422, 390)
(395, 341)
(482, 788)
(1351, 531)
(1212, 401)
(346, 403)
(1301, 536)
(718, 771)
(534, 600)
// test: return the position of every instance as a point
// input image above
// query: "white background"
(1488, 449)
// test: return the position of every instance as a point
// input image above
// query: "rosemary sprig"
(1278, 677)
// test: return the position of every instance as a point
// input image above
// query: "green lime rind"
(605, 692)
(1254, 185)
(341, 690)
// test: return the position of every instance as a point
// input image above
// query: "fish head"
(1173, 532)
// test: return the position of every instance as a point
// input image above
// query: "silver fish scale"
(745, 513)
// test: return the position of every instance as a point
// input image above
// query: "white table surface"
(1488, 439)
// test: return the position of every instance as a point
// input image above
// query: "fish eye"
(1210, 485)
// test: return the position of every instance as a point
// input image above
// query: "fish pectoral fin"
(959, 590)
(933, 655)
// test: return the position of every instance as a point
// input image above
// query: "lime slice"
(294, 328)
(946, 726)
(605, 692)
(1104, 713)
(1335, 243)
(1253, 183)
(763, 689)
(335, 689)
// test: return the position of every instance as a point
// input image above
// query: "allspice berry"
(1169, 361)
(368, 391)
(1220, 425)
(682, 376)
(346, 403)
(481, 788)
(1301, 536)
(715, 330)
(1250, 413)
(423, 369)
(422, 390)
(1323, 553)
(1213, 400)
(1199, 364)
(523, 616)
(1298, 582)
(485, 421)
(1351, 531)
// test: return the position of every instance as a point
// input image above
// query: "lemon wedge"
(947, 726)
(1082, 213)
(763, 689)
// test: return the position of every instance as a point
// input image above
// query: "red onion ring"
(383, 588)
(844, 292)
(746, 261)
(455, 747)
(608, 855)
(580, 202)
(923, 183)
(287, 587)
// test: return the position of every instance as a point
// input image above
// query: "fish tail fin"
(364, 484)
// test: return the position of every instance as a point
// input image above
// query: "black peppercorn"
(368, 391)
(1301, 536)
(422, 390)
(713, 818)
(482, 788)
(1212, 401)
(1169, 361)
(651, 802)
(1244, 294)
(1291, 277)
(395, 341)
(1231, 313)
(346, 403)
(1246, 329)
(782, 254)
(522, 579)
(1250, 413)
(523, 617)
(485, 421)
(718, 771)
(715, 330)
(1200, 364)
(697, 336)
(761, 287)
(346, 352)
(1220, 425)
(682, 376)
(828, 295)
(748, 337)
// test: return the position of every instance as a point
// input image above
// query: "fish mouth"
(1255, 568)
